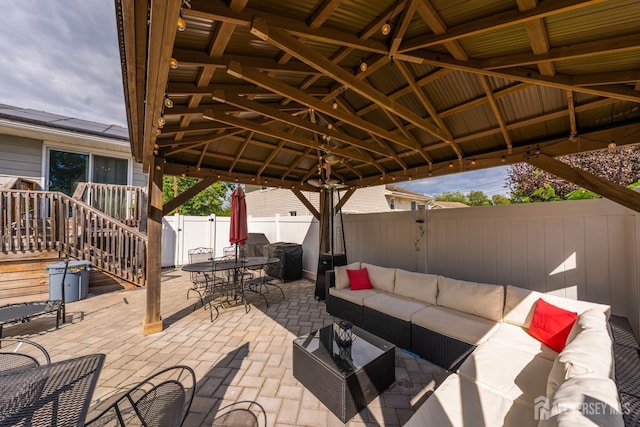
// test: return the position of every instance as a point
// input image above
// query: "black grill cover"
(290, 255)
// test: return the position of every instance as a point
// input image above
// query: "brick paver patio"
(240, 356)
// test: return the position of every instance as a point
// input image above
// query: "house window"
(67, 169)
(414, 206)
(293, 213)
(392, 203)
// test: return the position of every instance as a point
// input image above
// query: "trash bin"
(76, 282)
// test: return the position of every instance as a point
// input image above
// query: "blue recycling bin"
(76, 282)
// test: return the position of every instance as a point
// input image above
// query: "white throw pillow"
(342, 278)
(381, 278)
(591, 351)
(479, 299)
(590, 319)
(423, 287)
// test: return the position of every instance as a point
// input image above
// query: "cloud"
(62, 57)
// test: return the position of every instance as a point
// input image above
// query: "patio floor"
(237, 357)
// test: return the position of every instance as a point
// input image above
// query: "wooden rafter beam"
(298, 122)
(537, 33)
(529, 76)
(571, 106)
(194, 58)
(496, 22)
(345, 198)
(218, 11)
(609, 189)
(430, 15)
(496, 112)
(191, 89)
(285, 42)
(307, 204)
(481, 100)
(561, 53)
(240, 150)
(400, 30)
(295, 163)
(279, 134)
(187, 194)
(260, 79)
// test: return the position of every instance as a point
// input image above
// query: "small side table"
(345, 380)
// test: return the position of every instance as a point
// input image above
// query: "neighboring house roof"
(396, 190)
(446, 205)
(42, 118)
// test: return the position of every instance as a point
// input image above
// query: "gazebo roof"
(265, 91)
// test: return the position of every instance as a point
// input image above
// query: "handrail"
(125, 203)
(43, 220)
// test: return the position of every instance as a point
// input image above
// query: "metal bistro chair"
(268, 277)
(162, 400)
(199, 280)
(20, 354)
(221, 288)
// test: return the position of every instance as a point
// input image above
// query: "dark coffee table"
(344, 380)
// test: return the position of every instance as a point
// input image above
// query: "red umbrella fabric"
(238, 232)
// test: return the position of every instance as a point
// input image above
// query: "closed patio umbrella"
(238, 233)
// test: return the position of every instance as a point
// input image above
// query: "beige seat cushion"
(381, 278)
(342, 279)
(515, 374)
(518, 337)
(591, 351)
(590, 319)
(423, 287)
(394, 305)
(585, 401)
(459, 402)
(479, 299)
(356, 297)
(455, 324)
(520, 303)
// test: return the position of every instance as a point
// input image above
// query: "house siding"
(139, 178)
(20, 157)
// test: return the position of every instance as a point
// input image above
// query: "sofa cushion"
(342, 279)
(479, 299)
(420, 286)
(551, 324)
(515, 336)
(515, 374)
(455, 324)
(520, 303)
(585, 401)
(394, 305)
(590, 319)
(381, 278)
(591, 351)
(359, 279)
(356, 297)
(459, 402)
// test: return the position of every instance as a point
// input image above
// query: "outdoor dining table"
(57, 394)
(238, 266)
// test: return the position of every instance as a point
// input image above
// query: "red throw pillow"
(551, 325)
(359, 279)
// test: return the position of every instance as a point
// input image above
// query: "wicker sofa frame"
(450, 353)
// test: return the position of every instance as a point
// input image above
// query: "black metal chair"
(161, 400)
(244, 413)
(267, 278)
(20, 354)
(199, 281)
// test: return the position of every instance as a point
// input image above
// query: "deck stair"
(40, 227)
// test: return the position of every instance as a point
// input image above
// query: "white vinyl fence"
(586, 249)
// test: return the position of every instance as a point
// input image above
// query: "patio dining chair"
(267, 278)
(18, 354)
(161, 400)
(199, 280)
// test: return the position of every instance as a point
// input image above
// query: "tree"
(478, 198)
(212, 200)
(452, 196)
(499, 199)
(620, 165)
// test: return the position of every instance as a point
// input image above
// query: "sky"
(62, 57)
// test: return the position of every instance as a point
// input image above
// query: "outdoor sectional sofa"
(500, 374)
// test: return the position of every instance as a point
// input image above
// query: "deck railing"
(122, 202)
(42, 220)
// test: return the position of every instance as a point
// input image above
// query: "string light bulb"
(386, 28)
(168, 102)
(161, 122)
(363, 65)
(612, 145)
(335, 104)
(173, 63)
(181, 24)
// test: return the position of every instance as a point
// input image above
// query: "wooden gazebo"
(271, 92)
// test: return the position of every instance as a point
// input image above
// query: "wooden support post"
(152, 319)
(344, 199)
(306, 203)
